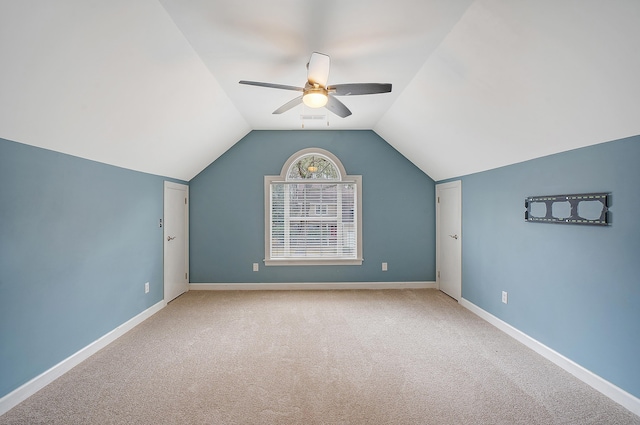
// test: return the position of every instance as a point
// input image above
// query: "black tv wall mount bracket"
(586, 208)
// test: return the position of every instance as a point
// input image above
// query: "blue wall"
(227, 211)
(574, 288)
(78, 240)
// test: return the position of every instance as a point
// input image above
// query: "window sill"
(314, 262)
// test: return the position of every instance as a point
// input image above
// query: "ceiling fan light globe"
(315, 99)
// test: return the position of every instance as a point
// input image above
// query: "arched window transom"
(313, 166)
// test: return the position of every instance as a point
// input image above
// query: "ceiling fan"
(316, 93)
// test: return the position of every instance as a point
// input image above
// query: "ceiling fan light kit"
(316, 93)
(315, 97)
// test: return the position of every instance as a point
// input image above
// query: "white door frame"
(175, 186)
(440, 232)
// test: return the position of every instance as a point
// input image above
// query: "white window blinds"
(313, 220)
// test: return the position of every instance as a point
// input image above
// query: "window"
(313, 212)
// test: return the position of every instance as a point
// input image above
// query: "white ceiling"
(153, 85)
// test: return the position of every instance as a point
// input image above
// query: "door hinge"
(186, 276)
(185, 201)
(438, 199)
(438, 274)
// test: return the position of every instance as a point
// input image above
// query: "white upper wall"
(514, 81)
(152, 85)
(114, 82)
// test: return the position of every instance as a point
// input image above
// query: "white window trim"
(268, 180)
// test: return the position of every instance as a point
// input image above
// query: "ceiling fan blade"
(290, 104)
(271, 85)
(337, 107)
(318, 69)
(355, 89)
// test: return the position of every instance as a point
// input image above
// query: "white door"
(449, 238)
(176, 240)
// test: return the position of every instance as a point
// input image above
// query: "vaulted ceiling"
(152, 85)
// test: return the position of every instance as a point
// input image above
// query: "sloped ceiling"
(153, 85)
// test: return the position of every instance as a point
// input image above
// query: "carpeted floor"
(317, 357)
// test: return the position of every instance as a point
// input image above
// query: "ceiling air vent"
(313, 117)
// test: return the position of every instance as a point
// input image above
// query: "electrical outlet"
(146, 288)
(256, 267)
(504, 297)
(384, 267)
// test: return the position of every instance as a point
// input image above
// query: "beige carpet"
(317, 357)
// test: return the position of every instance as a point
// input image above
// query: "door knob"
(453, 236)
(169, 238)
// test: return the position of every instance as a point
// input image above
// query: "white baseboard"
(615, 393)
(309, 286)
(25, 391)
